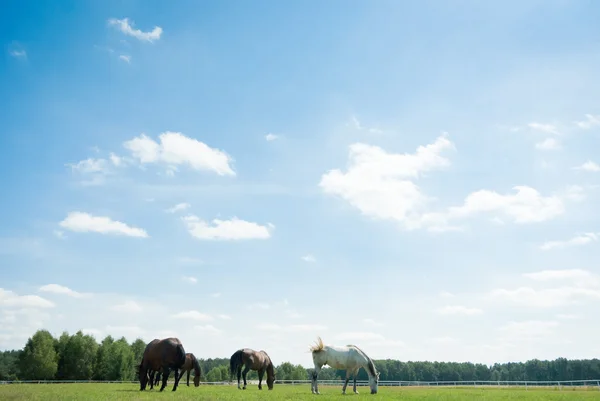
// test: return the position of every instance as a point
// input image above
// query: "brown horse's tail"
(235, 361)
(180, 355)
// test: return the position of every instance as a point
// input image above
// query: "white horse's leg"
(348, 372)
(354, 374)
(315, 386)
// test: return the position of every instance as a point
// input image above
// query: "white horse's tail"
(318, 347)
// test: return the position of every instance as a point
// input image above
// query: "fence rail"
(395, 383)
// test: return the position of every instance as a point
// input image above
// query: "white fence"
(502, 383)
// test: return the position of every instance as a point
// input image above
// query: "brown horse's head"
(143, 377)
(270, 376)
(197, 370)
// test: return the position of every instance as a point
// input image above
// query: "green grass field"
(282, 392)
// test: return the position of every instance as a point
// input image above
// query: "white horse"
(349, 357)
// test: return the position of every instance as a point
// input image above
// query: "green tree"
(39, 360)
(137, 351)
(215, 375)
(9, 365)
(102, 367)
(79, 356)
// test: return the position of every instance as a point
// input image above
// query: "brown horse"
(191, 363)
(255, 360)
(162, 355)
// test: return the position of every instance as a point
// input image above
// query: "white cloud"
(355, 123)
(125, 58)
(458, 310)
(59, 234)
(309, 258)
(59, 289)
(568, 316)
(359, 335)
(589, 122)
(178, 207)
(527, 205)
(577, 287)
(578, 240)
(190, 261)
(369, 338)
(545, 298)
(547, 128)
(380, 184)
(372, 322)
(233, 229)
(207, 328)
(446, 294)
(259, 305)
(130, 332)
(18, 53)
(128, 307)
(116, 160)
(443, 340)
(528, 330)
(588, 166)
(271, 137)
(215, 294)
(85, 222)
(291, 328)
(176, 149)
(10, 299)
(89, 165)
(580, 277)
(191, 280)
(548, 144)
(224, 317)
(193, 315)
(127, 28)
(574, 193)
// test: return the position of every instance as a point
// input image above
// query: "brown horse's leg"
(165, 376)
(244, 373)
(151, 379)
(239, 375)
(261, 372)
(177, 378)
(188, 377)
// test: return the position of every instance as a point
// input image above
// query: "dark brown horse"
(255, 360)
(161, 355)
(191, 363)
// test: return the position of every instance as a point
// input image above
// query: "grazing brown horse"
(161, 355)
(255, 360)
(191, 363)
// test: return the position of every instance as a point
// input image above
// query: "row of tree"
(80, 357)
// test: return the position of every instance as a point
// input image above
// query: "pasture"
(105, 391)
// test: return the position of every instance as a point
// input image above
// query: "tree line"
(81, 357)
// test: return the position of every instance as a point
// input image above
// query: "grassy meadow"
(102, 391)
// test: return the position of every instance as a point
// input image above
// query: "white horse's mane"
(371, 365)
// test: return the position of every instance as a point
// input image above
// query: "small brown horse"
(255, 360)
(161, 355)
(191, 363)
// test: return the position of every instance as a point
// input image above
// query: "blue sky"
(417, 179)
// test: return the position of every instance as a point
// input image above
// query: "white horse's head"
(374, 383)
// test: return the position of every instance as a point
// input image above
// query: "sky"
(419, 179)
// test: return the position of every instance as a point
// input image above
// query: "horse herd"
(162, 356)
